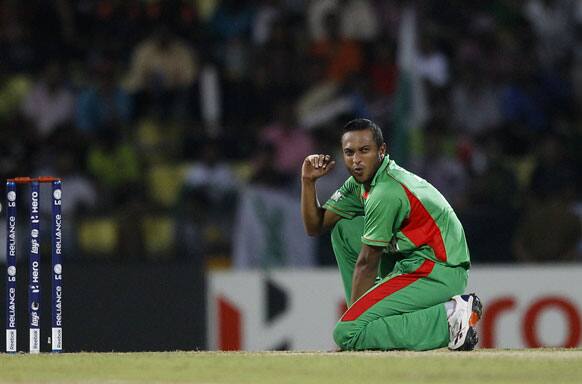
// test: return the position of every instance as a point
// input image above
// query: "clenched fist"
(316, 166)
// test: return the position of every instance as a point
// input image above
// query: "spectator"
(431, 63)
(273, 80)
(264, 171)
(357, 19)
(522, 100)
(550, 229)
(494, 183)
(267, 230)
(475, 102)
(383, 68)
(232, 19)
(113, 161)
(267, 17)
(442, 169)
(552, 22)
(493, 201)
(162, 73)
(231, 25)
(553, 172)
(211, 176)
(210, 186)
(50, 103)
(318, 92)
(103, 103)
(17, 43)
(316, 13)
(290, 142)
(342, 57)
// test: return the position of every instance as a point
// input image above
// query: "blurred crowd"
(157, 114)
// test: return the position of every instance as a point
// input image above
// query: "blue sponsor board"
(57, 269)
(11, 345)
(34, 269)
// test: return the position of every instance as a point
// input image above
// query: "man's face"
(361, 154)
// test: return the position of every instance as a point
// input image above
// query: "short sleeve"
(346, 201)
(386, 209)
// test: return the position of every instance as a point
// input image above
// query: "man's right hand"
(316, 166)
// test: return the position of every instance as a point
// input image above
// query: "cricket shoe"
(462, 322)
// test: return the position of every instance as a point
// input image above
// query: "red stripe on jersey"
(386, 289)
(421, 229)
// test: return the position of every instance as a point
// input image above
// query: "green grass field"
(483, 366)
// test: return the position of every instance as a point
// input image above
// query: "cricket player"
(400, 249)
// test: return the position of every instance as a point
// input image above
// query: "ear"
(382, 151)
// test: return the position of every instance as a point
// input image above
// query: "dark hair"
(361, 124)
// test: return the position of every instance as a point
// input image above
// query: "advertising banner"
(524, 307)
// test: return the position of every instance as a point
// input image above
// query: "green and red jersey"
(405, 214)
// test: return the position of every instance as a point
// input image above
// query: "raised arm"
(316, 220)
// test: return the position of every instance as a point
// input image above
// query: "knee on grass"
(345, 335)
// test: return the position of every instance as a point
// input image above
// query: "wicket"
(34, 264)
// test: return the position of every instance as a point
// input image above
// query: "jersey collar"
(381, 169)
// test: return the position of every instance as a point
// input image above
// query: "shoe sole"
(472, 339)
(477, 310)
